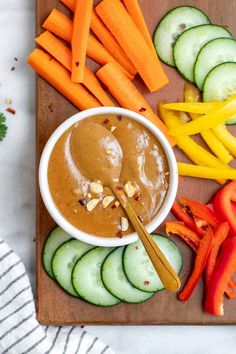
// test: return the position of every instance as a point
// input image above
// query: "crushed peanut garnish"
(96, 187)
(92, 204)
(107, 200)
(130, 189)
(124, 224)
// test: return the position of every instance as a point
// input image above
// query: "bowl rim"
(51, 206)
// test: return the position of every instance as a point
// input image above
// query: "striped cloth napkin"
(20, 332)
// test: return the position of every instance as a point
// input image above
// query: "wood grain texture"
(53, 305)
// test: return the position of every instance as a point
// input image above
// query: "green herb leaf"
(3, 127)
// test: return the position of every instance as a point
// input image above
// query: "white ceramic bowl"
(51, 206)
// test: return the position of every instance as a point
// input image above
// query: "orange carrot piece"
(79, 41)
(70, 4)
(62, 54)
(106, 38)
(53, 72)
(135, 12)
(127, 95)
(110, 43)
(121, 25)
(61, 26)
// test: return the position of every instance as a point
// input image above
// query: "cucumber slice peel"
(115, 281)
(190, 42)
(56, 238)
(171, 26)
(87, 281)
(64, 260)
(213, 53)
(139, 269)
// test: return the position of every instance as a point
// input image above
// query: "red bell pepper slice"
(230, 289)
(220, 233)
(223, 207)
(182, 215)
(225, 267)
(200, 262)
(200, 210)
(189, 236)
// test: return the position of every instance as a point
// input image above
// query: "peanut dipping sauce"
(144, 166)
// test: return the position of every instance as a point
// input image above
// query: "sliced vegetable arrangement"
(114, 34)
(209, 230)
(106, 276)
(185, 39)
(208, 119)
(122, 47)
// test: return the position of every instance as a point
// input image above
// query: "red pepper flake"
(106, 121)
(146, 282)
(119, 234)
(83, 202)
(13, 68)
(142, 109)
(137, 198)
(119, 118)
(51, 107)
(113, 206)
(77, 63)
(11, 110)
(119, 188)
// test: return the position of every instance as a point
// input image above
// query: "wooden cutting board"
(54, 306)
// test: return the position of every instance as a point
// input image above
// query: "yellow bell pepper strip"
(205, 172)
(192, 94)
(209, 120)
(194, 107)
(195, 152)
(226, 138)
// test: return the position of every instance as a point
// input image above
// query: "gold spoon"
(98, 155)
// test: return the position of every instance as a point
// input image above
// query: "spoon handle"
(168, 276)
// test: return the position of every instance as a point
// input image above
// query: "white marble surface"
(17, 183)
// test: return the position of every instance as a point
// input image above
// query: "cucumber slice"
(115, 281)
(64, 260)
(56, 238)
(213, 53)
(231, 121)
(171, 26)
(190, 43)
(220, 84)
(87, 281)
(139, 269)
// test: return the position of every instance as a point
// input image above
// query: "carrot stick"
(70, 4)
(53, 72)
(62, 54)
(127, 95)
(120, 23)
(135, 12)
(106, 38)
(61, 26)
(80, 34)
(110, 43)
